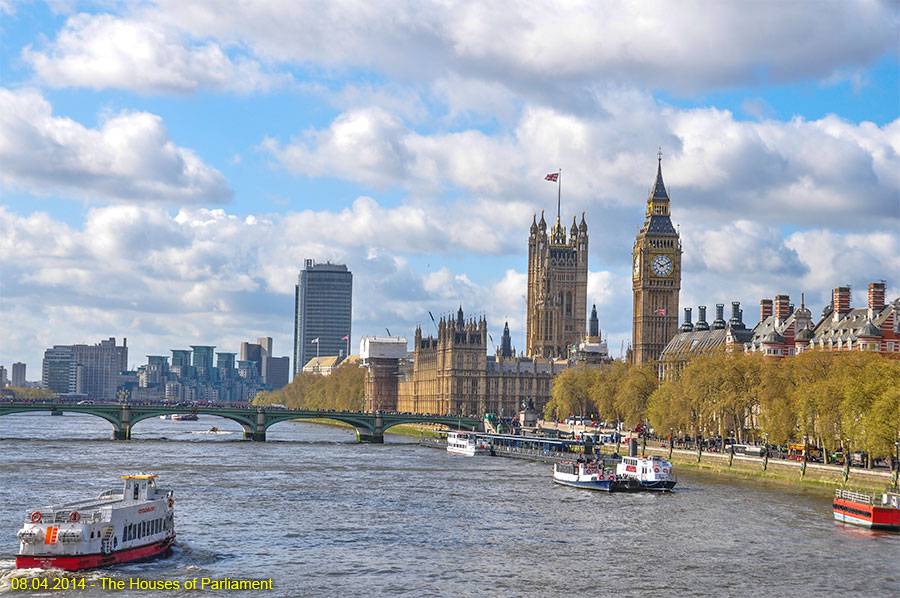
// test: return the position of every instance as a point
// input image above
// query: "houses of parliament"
(454, 373)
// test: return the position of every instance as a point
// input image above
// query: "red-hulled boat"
(136, 524)
(860, 509)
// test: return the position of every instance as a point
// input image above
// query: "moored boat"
(654, 473)
(116, 527)
(860, 509)
(591, 476)
(466, 443)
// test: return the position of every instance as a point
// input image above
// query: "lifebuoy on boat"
(656, 470)
(36, 517)
(171, 502)
(74, 516)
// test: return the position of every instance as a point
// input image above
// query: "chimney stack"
(841, 301)
(687, 326)
(765, 309)
(876, 296)
(782, 307)
(701, 319)
(719, 322)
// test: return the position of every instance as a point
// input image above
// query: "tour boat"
(185, 417)
(466, 443)
(654, 473)
(136, 523)
(584, 475)
(859, 509)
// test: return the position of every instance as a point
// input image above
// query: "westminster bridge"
(370, 427)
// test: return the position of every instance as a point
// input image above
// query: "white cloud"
(101, 51)
(129, 157)
(548, 50)
(720, 169)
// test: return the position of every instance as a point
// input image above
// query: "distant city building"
(557, 288)
(454, 374)
(656, 277)
(842, 328)
(100, 366)
(322, 365)
(4, 378)
(265, 342)
(322, 312)
(694, 339)
(382, 357)
(276, 371)
(786, 331)
(18, 375)
(60, 371)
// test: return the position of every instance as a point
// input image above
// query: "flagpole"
(558, 195)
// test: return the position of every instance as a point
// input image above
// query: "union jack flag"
(661, 310)
(552, 177)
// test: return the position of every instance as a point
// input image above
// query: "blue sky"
(166, 167)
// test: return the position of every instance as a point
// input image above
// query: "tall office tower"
(656, 277)
(276, 371)
(59, 371)
(557, 288)
(18, 374)
(322, 312)
(101, 366)
(4, 379)
(266, 343)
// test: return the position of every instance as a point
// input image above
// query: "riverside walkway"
(370, 427)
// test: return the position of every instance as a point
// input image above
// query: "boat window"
(124, 534)
(136, 490)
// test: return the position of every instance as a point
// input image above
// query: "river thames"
(322, 515)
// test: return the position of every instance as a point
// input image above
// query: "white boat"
(136, 523)
(654, 473)
(591, 476)
(466, 443)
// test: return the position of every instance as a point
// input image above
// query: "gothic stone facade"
(454, 374)
(557, 288)
(656, 279)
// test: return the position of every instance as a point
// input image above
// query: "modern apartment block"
(95, 371)
(322, 312)
(60, 371)
(18, 374)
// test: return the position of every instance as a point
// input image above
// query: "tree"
(571, 393)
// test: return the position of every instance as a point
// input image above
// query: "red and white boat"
(135, 523)
(859, 509)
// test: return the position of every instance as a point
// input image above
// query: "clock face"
(661, 265)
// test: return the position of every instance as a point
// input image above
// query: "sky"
(167, 166)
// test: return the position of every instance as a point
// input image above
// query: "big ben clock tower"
(656, 277)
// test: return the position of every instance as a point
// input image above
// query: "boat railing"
(854, 496)
(51, 515)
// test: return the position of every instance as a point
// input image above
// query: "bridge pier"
(259, 434)
(123, 431)
(376, 435)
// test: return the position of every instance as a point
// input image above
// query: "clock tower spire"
(656, 276)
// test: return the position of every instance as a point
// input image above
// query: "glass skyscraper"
(322, 307)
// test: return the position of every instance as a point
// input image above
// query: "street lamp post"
(670, 444)
(766, 454)
(699, 443)
(847, 460)
(896, 474)
(805, 451)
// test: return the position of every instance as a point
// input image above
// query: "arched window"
(569, 305)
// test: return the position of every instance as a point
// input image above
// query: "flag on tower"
(344, 338)
(554, 176)
(661, 310)
(315, 340)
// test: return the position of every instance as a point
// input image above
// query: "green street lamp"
(847, 460)
(670, 444)
(766, 454)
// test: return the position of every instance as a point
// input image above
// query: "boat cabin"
(139, 488)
